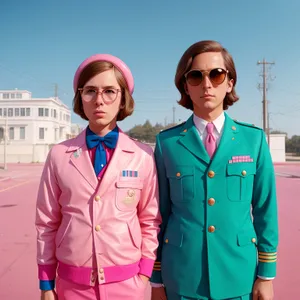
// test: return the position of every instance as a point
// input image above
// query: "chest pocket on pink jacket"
(128, 194)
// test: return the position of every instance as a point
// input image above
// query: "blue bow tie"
(94, 140)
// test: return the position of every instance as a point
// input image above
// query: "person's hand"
(49, 295)
(263, 290)
(158, 293)
(144, 278)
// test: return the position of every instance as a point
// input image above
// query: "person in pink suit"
(97, 211)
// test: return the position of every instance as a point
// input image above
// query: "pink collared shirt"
(109, 153)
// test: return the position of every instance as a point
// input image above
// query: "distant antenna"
(55, 90)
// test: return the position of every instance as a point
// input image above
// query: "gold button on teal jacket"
(220, 227)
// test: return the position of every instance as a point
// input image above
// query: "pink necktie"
(210, 141)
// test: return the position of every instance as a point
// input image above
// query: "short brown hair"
(185, 64)
(92, 70)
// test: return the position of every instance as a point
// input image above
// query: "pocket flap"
(130, 184)
(174, 238)
(247, 237)
(241, 169)
(180, 171)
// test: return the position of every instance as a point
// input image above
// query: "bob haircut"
(91, 70)
(185, 64)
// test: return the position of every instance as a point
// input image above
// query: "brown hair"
(92, 70)
(185, 64)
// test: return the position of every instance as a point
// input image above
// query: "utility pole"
(174, 114)
(269, 129)
(265, 101)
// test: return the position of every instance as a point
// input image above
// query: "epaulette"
(173, 127)
(247, 124)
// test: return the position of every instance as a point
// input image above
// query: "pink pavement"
(18, 271)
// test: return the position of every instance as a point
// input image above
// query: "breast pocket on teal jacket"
(239, 181)
(182, 183)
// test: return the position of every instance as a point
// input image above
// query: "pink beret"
(118, 63)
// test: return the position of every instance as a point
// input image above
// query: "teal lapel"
(190, 139)
(227, 143)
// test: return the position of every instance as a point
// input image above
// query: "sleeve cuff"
(156, 285)
(157, 266)
(47, 272)
(156, 274)
(47, 285)
(146, 266)
(265, 278)
(267, 262)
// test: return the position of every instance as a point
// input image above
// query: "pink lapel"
(81, 160)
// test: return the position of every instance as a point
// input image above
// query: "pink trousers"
(130, 289)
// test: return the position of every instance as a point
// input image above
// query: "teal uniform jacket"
(220, 227)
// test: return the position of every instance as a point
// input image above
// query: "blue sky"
(43, 42)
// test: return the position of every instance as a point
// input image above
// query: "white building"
(277, 147)
(76, 129)
(33, 125)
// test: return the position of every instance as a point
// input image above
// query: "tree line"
(147, 133)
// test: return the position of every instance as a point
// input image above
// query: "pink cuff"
(47, 272)
(146, 266)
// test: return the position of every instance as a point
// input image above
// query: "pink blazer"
(92, 232)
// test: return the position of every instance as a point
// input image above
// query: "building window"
(27, 112)
(19, 96)
(46, 112)
(41, 112)
(11, 133)
(22, 133)
(1, 133)
(1, 112)
(54, 113)
(17, 112)
(4, 112)
(22, 112)
(10, 112)
(6, 96)
(12, 96)
(41, 133)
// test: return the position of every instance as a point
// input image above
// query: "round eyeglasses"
(90, 93)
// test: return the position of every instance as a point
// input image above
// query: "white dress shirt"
(218, 127)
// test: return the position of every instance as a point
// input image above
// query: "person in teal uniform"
(219, 234)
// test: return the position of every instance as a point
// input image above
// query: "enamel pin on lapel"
(77, 153)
